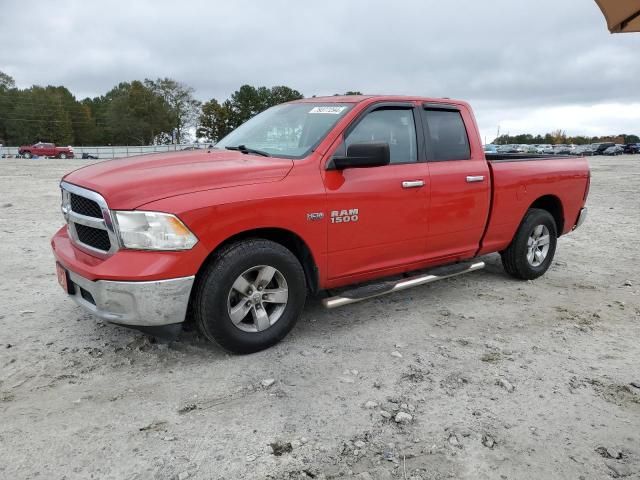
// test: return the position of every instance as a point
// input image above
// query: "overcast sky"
(526, 66)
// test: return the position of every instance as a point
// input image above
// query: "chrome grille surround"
(105, 223)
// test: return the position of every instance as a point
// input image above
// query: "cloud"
(507, 58)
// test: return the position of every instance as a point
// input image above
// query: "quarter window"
(393, 126)
(446, 136)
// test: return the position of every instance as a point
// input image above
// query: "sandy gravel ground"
(478, 377)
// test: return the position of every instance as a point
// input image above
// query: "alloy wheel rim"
(257, 299)
(538, 245)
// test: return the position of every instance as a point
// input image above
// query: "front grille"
(85, 206)
(89, 219)
(93, 237)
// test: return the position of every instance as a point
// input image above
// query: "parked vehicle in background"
(490, 148)
(508, 149)
(562, 150)
(319, 194)
(530, 149)
(42, 149)
(601, 147)
(545, 149)
(614, 150)
(584, 150)
(632, 148)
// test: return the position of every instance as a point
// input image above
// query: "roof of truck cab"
(387, 98)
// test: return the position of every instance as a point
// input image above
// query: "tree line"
(140, 112)
(145, 112)
(560, 137)
(131, 113)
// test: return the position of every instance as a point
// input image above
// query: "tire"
(520, 259)
(220, 293)
(26, 154)
(62, 156)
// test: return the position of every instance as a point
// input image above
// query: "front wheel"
(250, 296)
(63, 156)
(26, 154)
(532, 249)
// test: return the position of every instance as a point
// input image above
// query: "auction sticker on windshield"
(332, 110)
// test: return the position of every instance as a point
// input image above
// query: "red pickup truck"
(308, 197)
(41, 149)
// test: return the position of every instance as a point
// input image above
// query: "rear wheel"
(250, 296)
(532, 249)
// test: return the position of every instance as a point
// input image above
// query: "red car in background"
(41, 149)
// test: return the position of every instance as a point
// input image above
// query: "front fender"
(215, 216)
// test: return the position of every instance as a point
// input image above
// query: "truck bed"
(522, 181)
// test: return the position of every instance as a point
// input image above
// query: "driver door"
(377, 216)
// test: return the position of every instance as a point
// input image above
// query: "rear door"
(377, 216)
(459, 181)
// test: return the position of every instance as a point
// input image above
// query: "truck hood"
(130, 182)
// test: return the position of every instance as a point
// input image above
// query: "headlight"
(153, 231)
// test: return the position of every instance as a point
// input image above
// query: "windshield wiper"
(244, 149)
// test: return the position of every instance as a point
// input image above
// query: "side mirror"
(363, 155)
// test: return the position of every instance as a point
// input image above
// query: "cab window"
(446, 135)
(394, 126)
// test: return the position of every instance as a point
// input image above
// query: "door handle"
(413, 184)
(475, 178)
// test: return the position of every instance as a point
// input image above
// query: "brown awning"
(621, 15)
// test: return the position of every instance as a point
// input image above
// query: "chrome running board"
(375, 290)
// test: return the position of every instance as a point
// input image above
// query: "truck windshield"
(289, 130)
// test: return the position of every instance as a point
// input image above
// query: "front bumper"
(141, 304)
(134, 288)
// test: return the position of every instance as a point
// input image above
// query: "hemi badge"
(312, 217)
